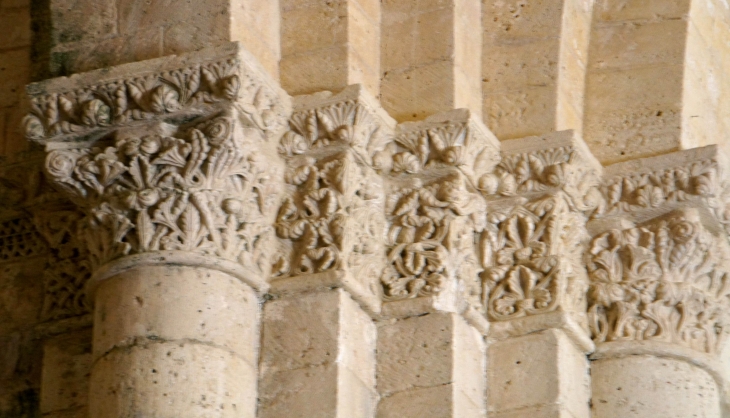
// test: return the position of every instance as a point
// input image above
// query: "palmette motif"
(205, 192)
(532, 259)
(332, 219)
(664, 281)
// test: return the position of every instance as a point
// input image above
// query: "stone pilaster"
(534, 60)
(431, 54)
(534, 281)
(658, 299)
(431, 349)
(173, 164)
(330, 45)
(331, 226)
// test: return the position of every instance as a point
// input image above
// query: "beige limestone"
(433, 364)
(534, 59)
(542, 372)
(168, 340)
(93, 34)
(430, 61)
(317, 357)
(444, 236)
(647, 386)
(67, 362)
(330, 45)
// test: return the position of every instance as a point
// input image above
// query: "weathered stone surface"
(665, 387)
(387, 257)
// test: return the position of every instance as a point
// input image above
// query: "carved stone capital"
(532, 258)
(331, 224)
(179, 156)
(539, 198)
(434, 210)
(664, 280)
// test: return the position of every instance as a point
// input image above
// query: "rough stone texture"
(15, 71)
(188, 336)
(433, 363)
(197, 169)
(430, 61)
(67, 361)
(534, 60)
(319, 346)
(655, 80)
(668, 387)
(542, 374)
(330, 45)
(86, 35)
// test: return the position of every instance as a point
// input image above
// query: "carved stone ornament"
(201, 190)
(663, 281)
(649, 187)
(93, 103)
(68, 271)
(332, 220)
(532, 259)
(198, 178)
(555, 162)
(433, 207)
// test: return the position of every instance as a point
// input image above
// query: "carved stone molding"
(67, 270)
(86, 106)
(544, 165)
(539, 198)
(664, 280)
(649, 187)
(332, 221)
(186, 162)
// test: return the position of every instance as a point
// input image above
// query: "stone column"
(656, 73)
(430, 57)
(90, 34)
(318, 350)
(431, 349)
(173, 162)
(329, 45)
(533, 65)
(538, 199)
(658, 301)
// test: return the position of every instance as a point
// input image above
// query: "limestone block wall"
(358, 208)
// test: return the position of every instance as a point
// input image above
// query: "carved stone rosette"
(540, 196)
(331, 224)
(174, 154)
(434, 209)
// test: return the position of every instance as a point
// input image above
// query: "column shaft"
(431, 59)
(65, 375)
(330, 45)
(538, 375)
(174, 341)
(432, 365)
(317, 357)
(645, 386)
(533, 66)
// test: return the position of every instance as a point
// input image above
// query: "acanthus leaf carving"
(663, 281)
(187, 89)
(532, 259)
(431, 239)
(207, 191)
